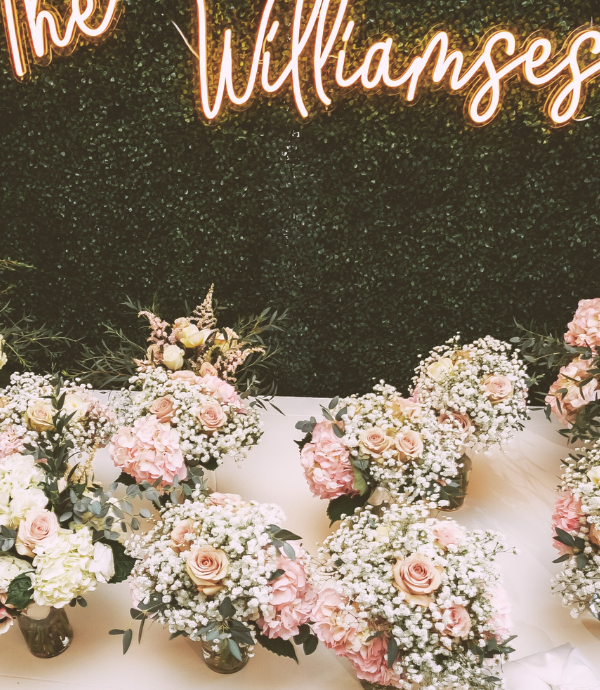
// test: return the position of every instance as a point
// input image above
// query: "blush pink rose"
(409, 444)
(38, 530)
(291, 598)
(207, 568)
(219, 499)
(221, 390)
(447, 533)
(459, 422)
(163, 409)
(500, 620)
(185, 375)
(408, 408)
(456, 621)
(584, 330)
(326, 464)
(335, 626)
(567, 512)
(148, 450)
(207, 368)
(374, 441)
(417, 576)
(575, 398)
(180, 536)
(595, 534)
(498, 387)
(370, 663)
(211, 416)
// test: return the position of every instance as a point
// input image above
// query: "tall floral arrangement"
(573, 360)
(221, 570)
(412, 601)
(239, 356)
(576, 531)
(378, 446)
(60, 531)
(478, 391)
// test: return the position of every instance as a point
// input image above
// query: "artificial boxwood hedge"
(382, 228)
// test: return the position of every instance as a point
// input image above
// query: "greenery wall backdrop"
(382, 228)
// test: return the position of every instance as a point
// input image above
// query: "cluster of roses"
(576, 530)
(411, 448)
(411, 600)
(578, 382)
(171, 420)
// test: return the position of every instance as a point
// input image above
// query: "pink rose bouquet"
(576, 531)
(174, 425)
(233, 579)
(379, 447)
(404, 597)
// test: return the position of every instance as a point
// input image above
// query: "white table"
(511, 492)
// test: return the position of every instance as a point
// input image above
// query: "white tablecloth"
(511, 492)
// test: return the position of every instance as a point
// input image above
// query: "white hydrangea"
(479, 389)
(10, 568)
(20, 489)
(241, 431)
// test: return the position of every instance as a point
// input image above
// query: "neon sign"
(49, 32)
(482, 76)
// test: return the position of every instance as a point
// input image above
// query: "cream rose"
(179, 541)
(447, 533)
(439, 369)
(222, 341)
(211, 415)
(498, 387)
(75, 405)
(595, 534)
(460, 422)
(417, 576)
(191, 336)
(403, 407)
(39, 529)
(173, 357)
(456, 621)
(39, 416)
(594, 475)
(163, 409)
(154, 354)
(206, 567)
(374, 441)
(4, 401)
(185, 375)
(409, 444)
(208, 369)
(219, 499)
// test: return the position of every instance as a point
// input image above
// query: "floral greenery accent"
(22, 344)
(239, 356)
(383, 228)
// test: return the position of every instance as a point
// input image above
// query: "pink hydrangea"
(221, 390)
(334, 624)
(148, 450)
(584, 330)
(371, 665)
(501, 620)
(326, 463)
(291, 599)
(10, 443)
(567, 512)
(6, 616)
(575, 398)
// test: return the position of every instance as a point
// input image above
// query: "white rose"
(594, 475)
(75, 405)
(440, 369)
(11, 567)
(24, 501)
(103, 565)
(173, 357)
(191, 336)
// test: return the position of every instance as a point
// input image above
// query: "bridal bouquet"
(222, 571)
(412, 601)
(59, 530)
(478, 390)
(27, 415)
(576, 531)
(170, 422)
(376, 446)
(574, 397)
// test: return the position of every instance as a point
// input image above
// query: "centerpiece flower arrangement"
(27, 415)
(379, 447)
(59, 533)
(412, 601)
(573, 360)
(576, 531)
(222, 572)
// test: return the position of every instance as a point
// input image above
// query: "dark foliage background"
(383, 228)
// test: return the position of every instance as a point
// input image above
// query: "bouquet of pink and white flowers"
(222, 571)
(412, 601)
(478, 391)
(172, 424)
(576, 532)
(378, 447)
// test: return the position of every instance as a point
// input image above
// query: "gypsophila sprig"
(379, 442)
(172, 421)
(576, 529)
(412, 601)
(218, 568)
(478, 390)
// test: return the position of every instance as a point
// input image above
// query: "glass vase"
(462, 478)
(594, 606)
(47, 631)
(218, 657)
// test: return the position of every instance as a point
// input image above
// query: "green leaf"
(289, 551)
(226, 608)
(392, 651)
(564, 537)
(310, 644)
(359, 483)
(145, 513)
(276, 645)
(286, 535)
(345, 505)
(302, 636)
(127, 637)
(562, 558)
(277, 574)
(123, 562)
(334, 402)
(20, 592)
(234, 648)
(115, 631)
(581, 560)
(337, 431)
